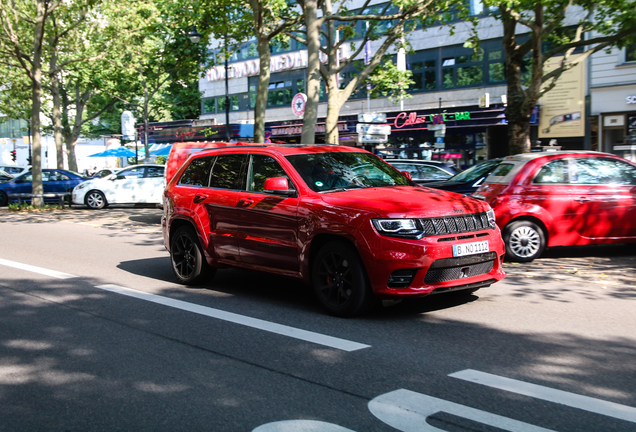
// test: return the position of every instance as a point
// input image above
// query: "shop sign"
(373, 129)
(631, 100)
(298, 104)
(372, 138)
(403, 119)
(298, 129)
(278, 63)
(372, 118)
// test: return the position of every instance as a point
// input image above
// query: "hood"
(405, 202)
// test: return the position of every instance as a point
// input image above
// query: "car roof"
(535, 155)
(289, 149)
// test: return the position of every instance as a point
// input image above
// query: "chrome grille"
(455, 224)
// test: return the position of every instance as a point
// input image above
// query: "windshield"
(337, 171)
(475, 172)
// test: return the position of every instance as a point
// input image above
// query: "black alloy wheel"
(186, 256)
(4, 199)
(95, 200)
(524, 241)
(340, 280)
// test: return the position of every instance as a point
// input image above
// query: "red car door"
(208, 194)
(607, 204)
(553, 199)
(268, 223)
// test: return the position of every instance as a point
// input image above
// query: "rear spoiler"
(181, 150)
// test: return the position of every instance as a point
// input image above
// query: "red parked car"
(561, 199)
(337, 217)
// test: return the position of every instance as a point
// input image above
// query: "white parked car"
(132, 185)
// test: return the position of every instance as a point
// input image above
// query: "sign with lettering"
(373, 129)
(372, 118)
(631, 99)
(278, 63)
(403, 119)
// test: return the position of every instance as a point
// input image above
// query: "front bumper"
(411, 268)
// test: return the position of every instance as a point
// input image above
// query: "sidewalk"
(605, 265)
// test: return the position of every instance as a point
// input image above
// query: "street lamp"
(194, 35)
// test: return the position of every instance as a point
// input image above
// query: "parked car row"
(132, 185)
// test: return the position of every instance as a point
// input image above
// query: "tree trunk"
(521, 101)
(36, 99)
(334, 105)
(263, 88)
(312, 25)
(70, 150)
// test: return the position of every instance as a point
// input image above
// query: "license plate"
(470, 248)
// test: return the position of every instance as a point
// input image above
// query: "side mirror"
(278, 186)
(407, 175)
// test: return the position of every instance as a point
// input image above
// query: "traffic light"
(13, 155)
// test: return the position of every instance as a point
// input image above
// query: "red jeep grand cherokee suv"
(336, 217)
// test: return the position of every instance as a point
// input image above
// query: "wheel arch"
(534, 220)
(322, 239)
(177, 223)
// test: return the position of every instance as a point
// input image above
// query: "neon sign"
(403, 119)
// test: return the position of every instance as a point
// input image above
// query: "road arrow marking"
(585, 403)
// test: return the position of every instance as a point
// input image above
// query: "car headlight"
(404, 228)
(81, 186)
(491, 218)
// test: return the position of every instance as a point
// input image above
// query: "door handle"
(582, 199)
(246, 202)
(199, 198)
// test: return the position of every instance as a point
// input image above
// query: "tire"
(187, 259)
(340, 281)
(95, 200)
(4, 199)
(524, 241)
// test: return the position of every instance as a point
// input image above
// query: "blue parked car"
(53, 180)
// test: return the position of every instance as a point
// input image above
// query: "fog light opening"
(401, 278)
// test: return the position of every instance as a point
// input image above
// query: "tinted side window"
(152, 171)
(198, 172)
(262, 168)
(603, 171)
(502, 170)
(226, 172)
(132, 173)
(434, 173)
(58, 176)
(555, 171)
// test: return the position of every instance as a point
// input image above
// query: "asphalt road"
(96, 335)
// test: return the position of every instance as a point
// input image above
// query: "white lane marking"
(300, 426)
(407, 411)
(317, 338)
(585, 403)
(35, 269)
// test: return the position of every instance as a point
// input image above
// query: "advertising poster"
(563, 107)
